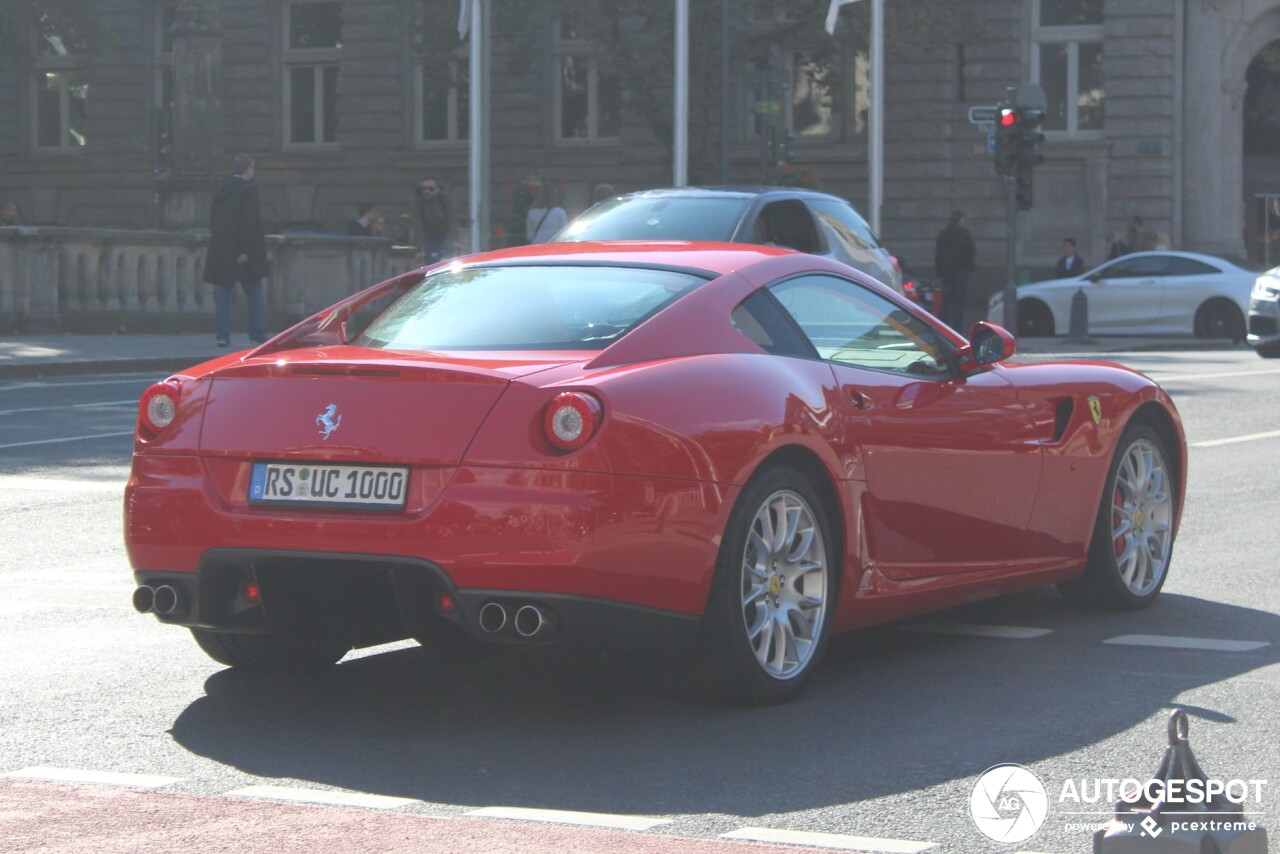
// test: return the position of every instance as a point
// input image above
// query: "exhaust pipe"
(144, 599)
(493, 617)
(531, 621)
(168, 599)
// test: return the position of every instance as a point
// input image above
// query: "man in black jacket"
(954, 259)
(237, 251)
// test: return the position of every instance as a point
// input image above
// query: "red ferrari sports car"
(723, 451)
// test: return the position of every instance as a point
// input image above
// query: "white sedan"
(1161, 292)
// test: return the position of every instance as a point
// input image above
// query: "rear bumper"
(636, 541)
(367, 600)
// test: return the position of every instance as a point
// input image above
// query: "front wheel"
(1220, 318)
(768, 616)
(1133, 532)
(269, 651)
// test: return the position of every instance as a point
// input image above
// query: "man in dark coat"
(237, 251)
(1070, 264)
(954, 258)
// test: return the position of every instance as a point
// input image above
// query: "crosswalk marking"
(1175, 642)
(331, 797)
(105, 778)
(978, 630)
(587, 819)
(830, 840)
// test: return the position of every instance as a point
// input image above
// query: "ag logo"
(1095, 409)
(1008, 803)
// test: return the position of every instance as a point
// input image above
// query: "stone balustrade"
(85, 278)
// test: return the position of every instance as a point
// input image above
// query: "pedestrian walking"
(237, 252)
(1070, 264)
(545, 217)
(435, 214)
(954, 259)
(1141, 239)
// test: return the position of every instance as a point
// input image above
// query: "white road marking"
(1217, 376)
(830, 840)
(104, 778)
(1174, 642)
(330, 797)
(68, 439)
(587, 819)
(105, 403)
(1248, 437)
(976, 630)
(11, 485)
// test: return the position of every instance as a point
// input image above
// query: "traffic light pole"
(1011, 256)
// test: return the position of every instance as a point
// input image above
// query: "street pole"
(478, 151)
(1011, 258)
(876, 130)
(724, 91)
(680, 145)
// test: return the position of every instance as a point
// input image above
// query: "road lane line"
(976, 630)
(330, 797)
(103, 778)
(105, 403)
(26, 386)
(37, 484)
(68, 439)
(1217, 376)
(830, 840)
(586, 819)
(1248, 437)
(1175, 642)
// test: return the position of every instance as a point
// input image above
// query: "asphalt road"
(885, 746)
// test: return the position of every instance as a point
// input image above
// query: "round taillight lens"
(159, 407)
(572, 419)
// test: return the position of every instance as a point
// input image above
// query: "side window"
(846, 222)
(787, 223)
(1131, 268)
(1189, 267)
(850, 324)
(759, 318)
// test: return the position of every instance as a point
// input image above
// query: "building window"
(809, 112)
(60, 94)
(587, 102)
(162, 82)
(1066, 60)
(312, 54)
(443, 99)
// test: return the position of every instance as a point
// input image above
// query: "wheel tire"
(1035, 320)
(269, 651)
(1219, 318)
(768, 617)
(1126, 570)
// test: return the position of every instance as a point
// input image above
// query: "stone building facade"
(1147, 116)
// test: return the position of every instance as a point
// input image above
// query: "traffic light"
(1027, 155)
(1023, 189)
(1008, 132)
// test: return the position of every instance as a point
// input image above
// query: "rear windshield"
(525, 308)
(657, 218)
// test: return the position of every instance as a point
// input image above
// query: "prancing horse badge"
(1095, 409)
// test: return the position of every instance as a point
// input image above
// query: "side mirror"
(988, 344)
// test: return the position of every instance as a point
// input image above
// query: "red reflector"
(251, 592)
(445, 604)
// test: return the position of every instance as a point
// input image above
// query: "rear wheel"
(1220, 318)
(1035, 320)
(1133, 532)
(269, 651)
(768, 616)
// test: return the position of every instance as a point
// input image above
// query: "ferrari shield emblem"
(1095, 409)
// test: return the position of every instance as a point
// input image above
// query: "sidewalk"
(62, 354)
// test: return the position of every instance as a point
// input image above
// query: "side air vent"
(1062, 417)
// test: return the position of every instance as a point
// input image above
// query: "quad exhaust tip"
(144, 599)
(162, 599)
(493, 618)
(531, 621)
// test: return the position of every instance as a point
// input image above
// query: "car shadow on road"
(891, 711)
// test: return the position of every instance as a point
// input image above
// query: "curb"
(159, 364)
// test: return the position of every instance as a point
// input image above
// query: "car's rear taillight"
(909, 288)
(572, 419)
(158, 408)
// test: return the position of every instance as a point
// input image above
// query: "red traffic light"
(1009, 118)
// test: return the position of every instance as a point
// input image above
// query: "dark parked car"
(812, 222)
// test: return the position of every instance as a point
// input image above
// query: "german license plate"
(311, 485)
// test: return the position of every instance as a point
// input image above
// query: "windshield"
(525, 308)
(658, 218)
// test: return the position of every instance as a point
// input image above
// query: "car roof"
(714, 258)
(728, 192)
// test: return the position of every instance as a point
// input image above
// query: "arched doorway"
(1261, 133)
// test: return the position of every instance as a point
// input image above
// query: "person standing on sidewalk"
(237, 252)
(954, 259)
